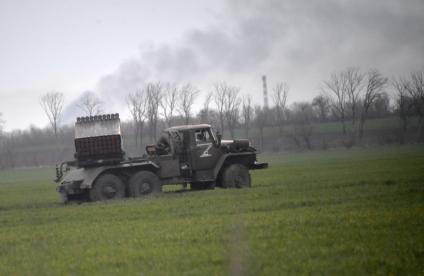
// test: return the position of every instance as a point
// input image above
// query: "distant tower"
(265, 92)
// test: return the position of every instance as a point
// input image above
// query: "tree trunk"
(307, 142)
(155, 130)
(280, 139)
(361, 127)
(404, 120)
(136, 135)
(420, 129)
(342, 119)
(140, 133)
(151, 133)
(221, 119)
(231, 131)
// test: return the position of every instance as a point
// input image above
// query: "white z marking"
(206, 152)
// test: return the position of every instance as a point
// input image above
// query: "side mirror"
(219, 136)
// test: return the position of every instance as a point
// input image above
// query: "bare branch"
(353, 85)
(375, 85)
(52, 104)
(302, 117)
(188, 94)
(280, 93)
(336, 87)
(169, 102)
(231, 108)
(220, 91)
(137, 105)
(260, 122)
(247, 111)
(90, 104)
(415, 89)
(322, 105)
(154, 96)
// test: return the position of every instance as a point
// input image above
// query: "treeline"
(338, 116)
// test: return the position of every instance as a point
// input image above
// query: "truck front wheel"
(107, 186)
(236, 176)
(144, 183)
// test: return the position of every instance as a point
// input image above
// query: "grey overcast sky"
(114, 47)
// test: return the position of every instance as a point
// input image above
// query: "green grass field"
(358, 211)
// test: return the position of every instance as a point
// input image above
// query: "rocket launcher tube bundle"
(98, 137)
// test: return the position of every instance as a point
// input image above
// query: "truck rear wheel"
(144, 183)
(236, 176)
(107, 186)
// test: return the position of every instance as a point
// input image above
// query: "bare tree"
(353, 85)
(247, 113)
(375, 85)
(52, 104)
(346, 88)
(303, 120)
(220, 92)
(403, 104)
(137, 105)
(188, 94)
(90, 104)
(231, 108)
(279, 97)
(381, 105)
(154, 96)
(321, 104)
(169, 102)
(336, 86)
(415, 89)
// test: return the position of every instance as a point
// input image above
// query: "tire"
(236, 176)
(144, 183)
(202, 185)
(107, 186)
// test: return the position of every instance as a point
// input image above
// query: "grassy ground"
(336, 212)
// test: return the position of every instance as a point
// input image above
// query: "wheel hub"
(238, 180)
(109, 191)
(145, 188)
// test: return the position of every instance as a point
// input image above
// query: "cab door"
(204, 150)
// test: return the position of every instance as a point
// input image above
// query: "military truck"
(188, 154)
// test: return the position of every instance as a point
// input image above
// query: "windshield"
(213, 133)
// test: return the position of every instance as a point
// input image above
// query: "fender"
(227, 156)
(87, 176)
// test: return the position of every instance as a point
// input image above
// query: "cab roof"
(187, 127)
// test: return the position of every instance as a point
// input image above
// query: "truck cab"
(195, 146)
